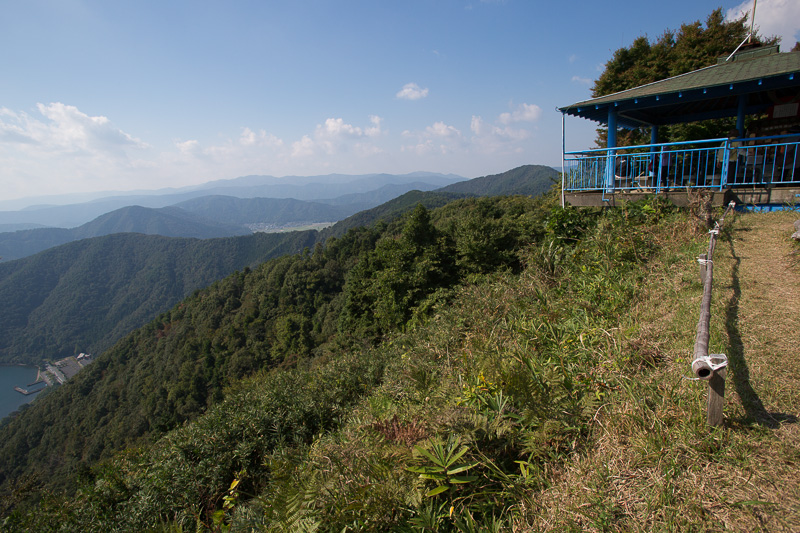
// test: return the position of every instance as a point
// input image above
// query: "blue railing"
(712, 163)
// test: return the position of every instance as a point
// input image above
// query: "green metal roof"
(763, 76)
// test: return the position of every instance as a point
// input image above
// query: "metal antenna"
(749, 37)
(752, 21)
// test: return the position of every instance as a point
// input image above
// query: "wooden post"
(716, 397)
(703, 270)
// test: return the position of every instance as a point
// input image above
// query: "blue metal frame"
(711, 163)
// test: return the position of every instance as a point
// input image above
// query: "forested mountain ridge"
(287, 311)
(530, 180)
(39, 325)
(527, 180)
(389, 210)
(165, 221)
(86, 294)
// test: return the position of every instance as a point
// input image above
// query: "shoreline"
(27, 392)
(39, 378)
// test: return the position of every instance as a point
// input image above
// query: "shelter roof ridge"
(713, 91)
(723, 73)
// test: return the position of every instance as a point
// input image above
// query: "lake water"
(15, 376)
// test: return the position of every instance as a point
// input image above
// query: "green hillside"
(287, 312)
(389, 210)
(85, 295)
(528, 180)
(494, 364)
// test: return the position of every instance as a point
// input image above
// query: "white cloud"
(303, 148)
(259, 139)
(65, 129)
(375, 130)
(336, 127)
(187, 147)
(523, 113)
(336, 136)
(573, 58)
(490, 138)
(773, 17)
(584, 81)
(499, 138)
(438, 138)
(411, 91)
(440, 129)
(61, 148)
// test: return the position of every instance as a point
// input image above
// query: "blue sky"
(125, 95)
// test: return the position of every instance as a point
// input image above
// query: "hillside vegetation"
(530, 180)
(495, 364)
(84, 296)
(285, 311)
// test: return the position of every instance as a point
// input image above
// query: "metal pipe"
(752, 21)
(563, 149)
(711, 368)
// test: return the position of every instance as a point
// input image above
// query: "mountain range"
(202, 213)
(84, 295)
(332, 188)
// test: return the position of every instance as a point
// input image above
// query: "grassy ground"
(656, 466)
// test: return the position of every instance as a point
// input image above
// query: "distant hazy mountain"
(309, 188)
(19, 227)
(318, 188)
(278, 211)
(379, 196)
(166, 221)
(85, 295)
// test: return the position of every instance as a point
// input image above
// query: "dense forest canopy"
(353, 290)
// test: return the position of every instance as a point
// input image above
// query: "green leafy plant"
(441, 464)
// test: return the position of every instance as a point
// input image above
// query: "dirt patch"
(763, 317)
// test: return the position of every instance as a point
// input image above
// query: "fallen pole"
(711, 368)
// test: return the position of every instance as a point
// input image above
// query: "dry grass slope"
(656, 466)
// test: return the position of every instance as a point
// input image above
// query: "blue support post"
(655, 160)
(725, 159)
(563, 149)
(611, 143)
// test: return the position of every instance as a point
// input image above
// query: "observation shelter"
(758, 166)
